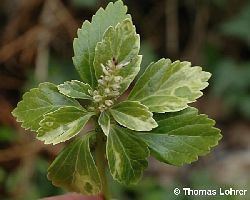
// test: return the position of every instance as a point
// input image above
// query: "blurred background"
(36, 45)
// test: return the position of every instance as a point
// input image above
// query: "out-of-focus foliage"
(7, 134)
(41, 187)
(84, 3)
(231, 74)
(239, 25)
(232, 83)
(59, 70)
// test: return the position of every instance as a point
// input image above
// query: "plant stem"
(101, 163)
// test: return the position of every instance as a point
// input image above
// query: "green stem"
(101, 163)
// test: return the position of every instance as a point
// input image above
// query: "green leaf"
(182, 136)
(92, 33)
(62, 124)
(127, 155)
(169, 87)
(104, 122)
(121, 44)
(129, 72)
(75, 89)
(133, 115)
(39, 101)
(75, 169)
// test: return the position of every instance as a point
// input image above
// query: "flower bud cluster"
(108, 86)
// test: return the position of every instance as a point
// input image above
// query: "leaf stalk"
(101, 162)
